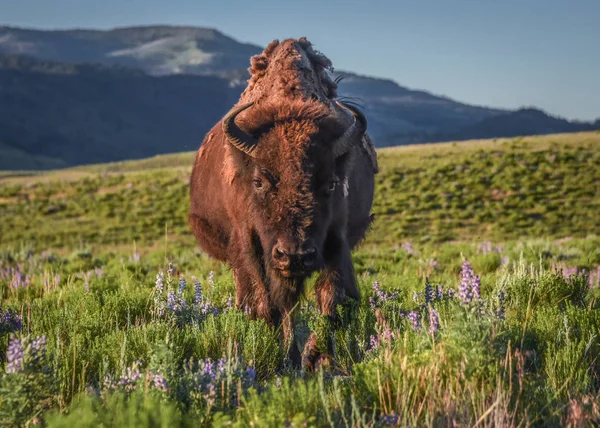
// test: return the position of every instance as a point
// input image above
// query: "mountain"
(69, 114)
(158, 50)
(70, 97)
(522, 122)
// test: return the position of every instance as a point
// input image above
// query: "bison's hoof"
(313, 359)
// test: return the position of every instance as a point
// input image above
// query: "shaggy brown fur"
(288, 195)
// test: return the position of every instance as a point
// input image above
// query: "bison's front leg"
(251, 293)
(334, 285)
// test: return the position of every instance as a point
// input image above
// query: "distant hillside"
(522, 122)
(65, 114)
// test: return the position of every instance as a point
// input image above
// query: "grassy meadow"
(480, 284)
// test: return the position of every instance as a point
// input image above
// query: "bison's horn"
(241, 140)
(352, 134)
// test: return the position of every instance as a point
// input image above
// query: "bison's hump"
(290, 69)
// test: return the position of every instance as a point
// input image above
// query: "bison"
(283, 187)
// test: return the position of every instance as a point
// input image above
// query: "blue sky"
(503, 53)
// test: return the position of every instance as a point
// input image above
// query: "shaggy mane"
(290, 69)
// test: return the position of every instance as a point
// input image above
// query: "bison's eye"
(331, 187)
(257, 183)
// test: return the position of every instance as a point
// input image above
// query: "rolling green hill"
(502, 189)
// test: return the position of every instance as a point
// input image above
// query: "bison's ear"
(353, 134)
(236, 136)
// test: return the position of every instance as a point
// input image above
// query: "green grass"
(90, 241)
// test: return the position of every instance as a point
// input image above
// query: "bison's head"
(291, 162)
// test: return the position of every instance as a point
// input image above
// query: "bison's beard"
(285, 292)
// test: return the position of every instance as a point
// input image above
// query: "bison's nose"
(295, 260)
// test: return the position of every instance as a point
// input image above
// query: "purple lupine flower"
(160, 382)
(504, 260)
(10, 321)
(408, 247)
(381, 295)
(434, 321)
(172, 302)
(14, 354)
(136, 257)
(211, 279)
(108, 382)
(229, 302)
(451, 293)
(465, 291)
(439, 293)
(132, 375)
(221, 366)
(159, 287)
(374, 342)
(372, 303)
(197, 291)
(428, 292)
(250, 373)
(38, 349)
(208, 368)
(501, 309)
(182, 285)
(390, 419)
(413, 317)
(476, 286)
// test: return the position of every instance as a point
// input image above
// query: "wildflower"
(10, 321)
(182, 285)
(250, 373)
(408, 247)
(470, 284)
(476, 287)
(15, 356)
(197, 291)
(160, 277)
(221, 368)
(390, 419)
(132, 375)
(160, 382)
(464, 289)
(413, 317)
(434, 321)
(373, 342)
(38, 349)
(381, 296)
(211, 279)
(171, 302)
(428, 292)
(229, 302)
(439, 293)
